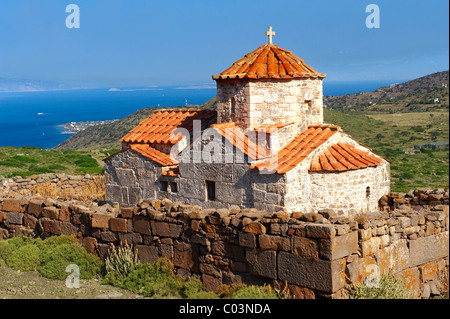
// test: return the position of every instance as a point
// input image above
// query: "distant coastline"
(75, 127)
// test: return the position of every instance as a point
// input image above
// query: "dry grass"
(94, 190)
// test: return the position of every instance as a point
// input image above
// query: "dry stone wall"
(316, 255)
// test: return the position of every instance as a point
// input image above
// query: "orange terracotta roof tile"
(298, 149)
(269, 62)
(153, 154)
(238, 137)
(343, 157)
(171, 171)
(157, 127)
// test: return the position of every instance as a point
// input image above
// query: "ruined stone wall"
(316, 255)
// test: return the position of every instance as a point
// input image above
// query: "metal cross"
(270, 33)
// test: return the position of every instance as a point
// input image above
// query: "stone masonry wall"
(316, 255)
(270, 102)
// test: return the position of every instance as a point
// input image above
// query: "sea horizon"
(34, 118)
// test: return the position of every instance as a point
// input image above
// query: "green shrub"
(254, 292)
(55, 259)
(50, 256)
(154, 280)
(6, 249)
(25, 258)
(389, 287)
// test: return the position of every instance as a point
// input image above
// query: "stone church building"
(266, 147)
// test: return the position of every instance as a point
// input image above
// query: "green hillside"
(425, 94)
(28, 161)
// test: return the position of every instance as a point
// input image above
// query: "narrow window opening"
(173, 187)
(164, 186)
(367, 192)
(210, 190)
(233, 105)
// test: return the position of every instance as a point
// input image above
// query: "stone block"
(324, 275)
(68, 229)
(127, 212)
(64, 213)
(370, 246)
(12, 205)
(51, 226)
(211, 283)
(147, 254)
(262, 263)
(118, 224)
(90, 244)
(14, 218)
(305, 247)
(320, 231)
(339, 247)
(255, 228)
(29, 221)
(130, 238)
(183, 255)
(404, 222)
(35, 207)
(425, 249)
(166, 229)
(429, 272)
(108, 236)
(166, 251)
(411, 279)
(267, 242)
(126, 177)
(247, 240)
(50, 212)
(210, 269)
(99, 220)
(393, 258)
(142, 225)
(113, 193)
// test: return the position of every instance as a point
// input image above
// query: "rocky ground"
(30, 285)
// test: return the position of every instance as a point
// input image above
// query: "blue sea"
(33, 118)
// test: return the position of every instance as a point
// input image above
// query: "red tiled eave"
(298, 149)
(343, 157)
(153, 154)
(157, 128)
(240, 139)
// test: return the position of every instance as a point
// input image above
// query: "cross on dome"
(270, 33)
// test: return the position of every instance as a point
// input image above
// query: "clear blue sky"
(146, 42)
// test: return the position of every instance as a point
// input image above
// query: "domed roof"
(269, 62)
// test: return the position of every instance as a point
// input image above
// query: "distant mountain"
(27, 85)
(428, 93)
